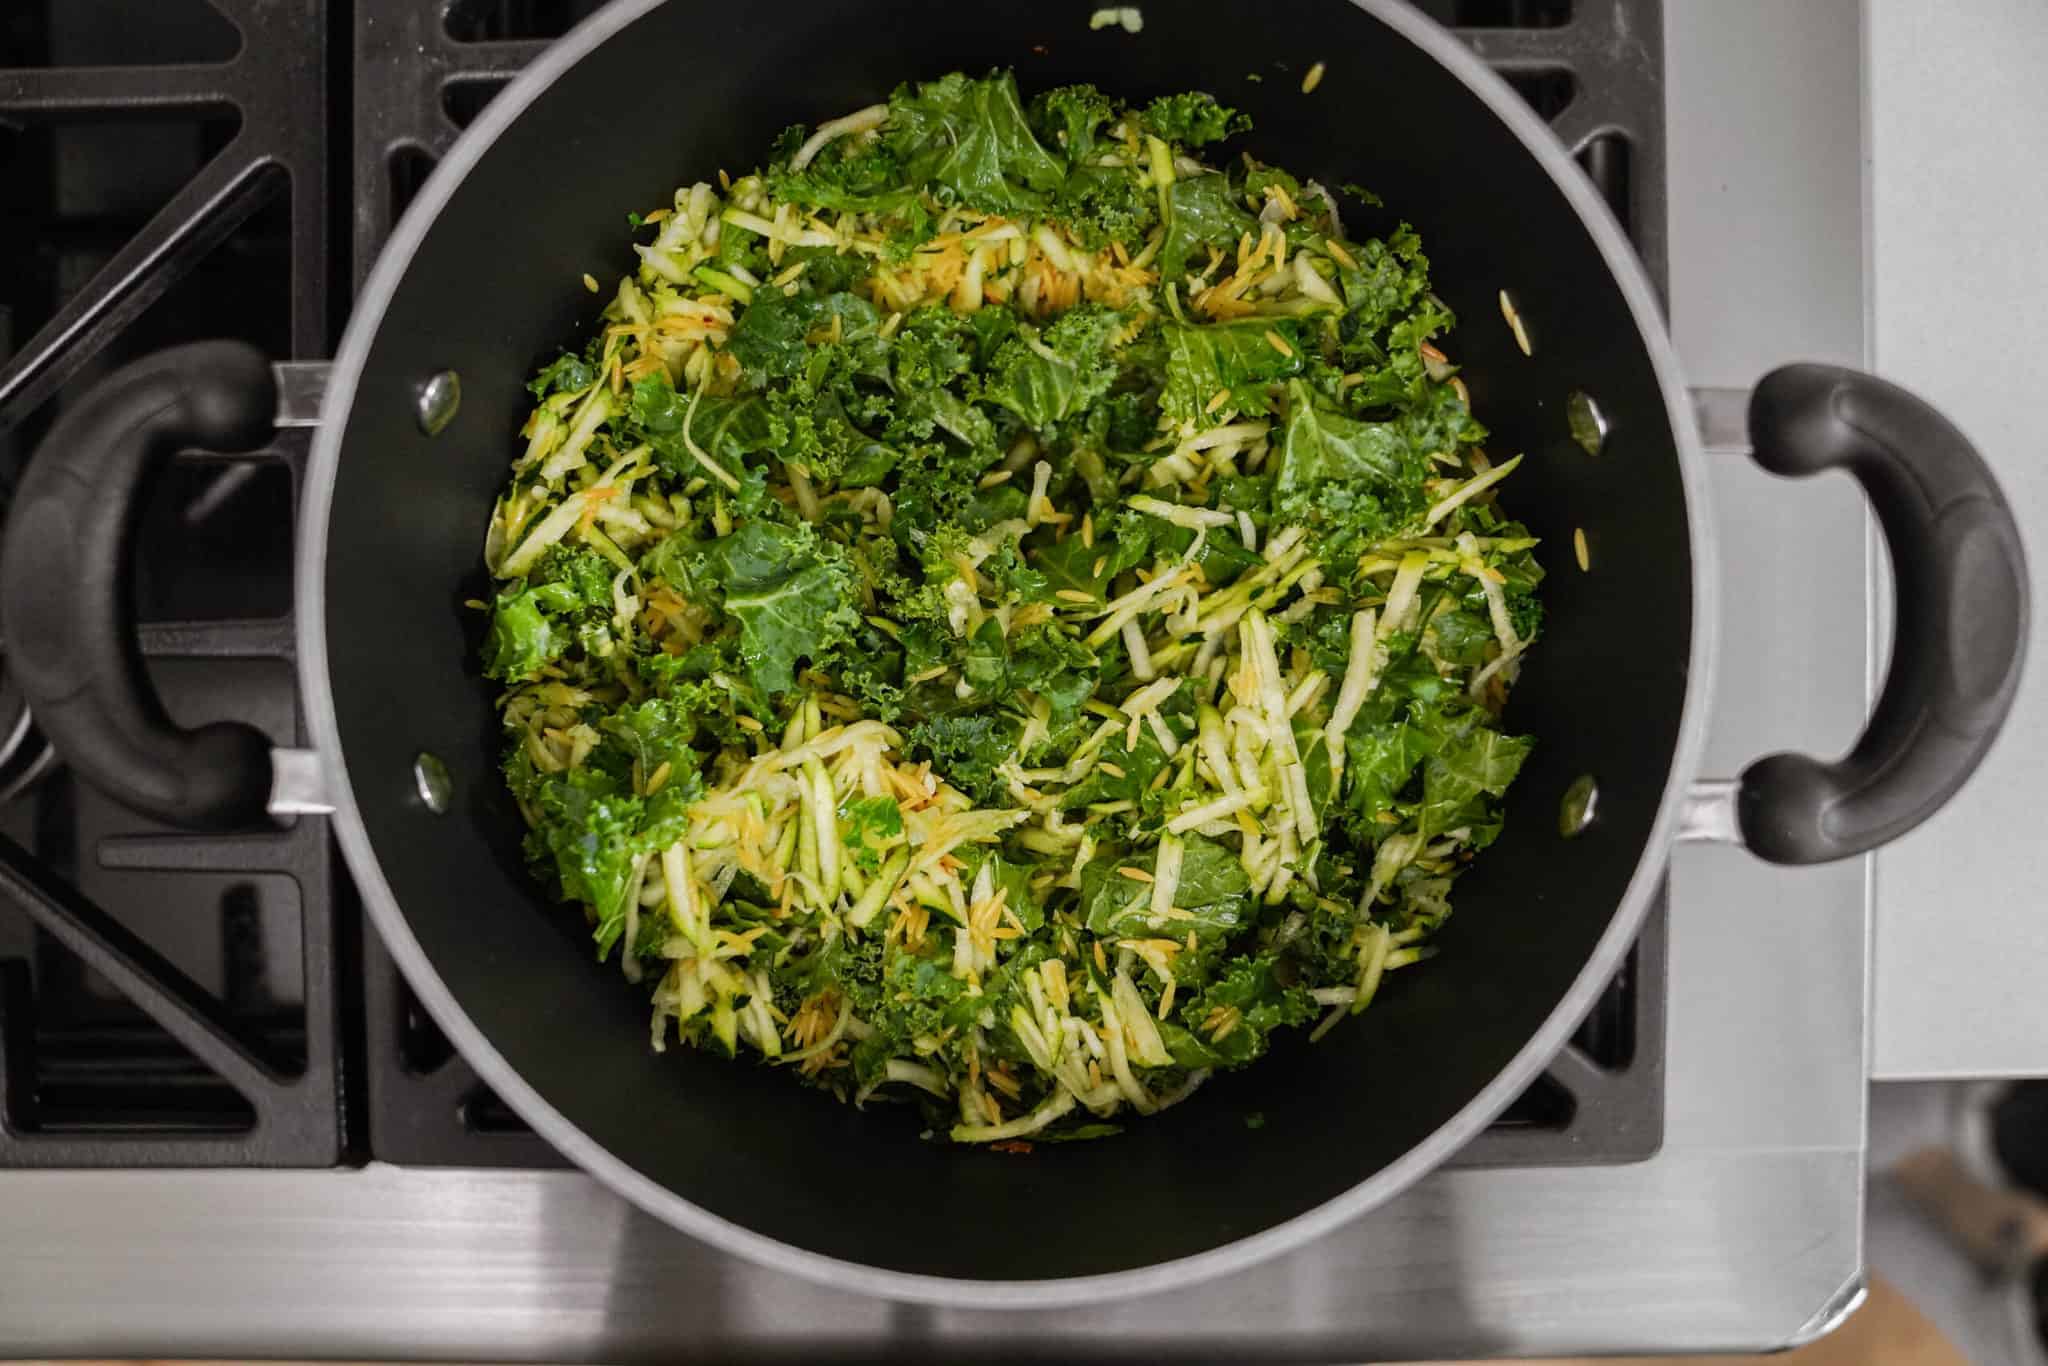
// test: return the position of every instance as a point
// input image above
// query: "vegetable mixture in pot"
(1010, 610)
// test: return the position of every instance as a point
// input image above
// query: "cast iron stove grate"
(168, 999)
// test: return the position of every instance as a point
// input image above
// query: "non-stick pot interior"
(495, 285)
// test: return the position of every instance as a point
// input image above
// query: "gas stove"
(177, 1010)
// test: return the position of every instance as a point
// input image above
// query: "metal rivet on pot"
(437, 401)
(1576, 811)
(1589, 424)
(430, 778)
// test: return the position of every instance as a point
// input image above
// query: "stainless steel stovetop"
(1744, 1231)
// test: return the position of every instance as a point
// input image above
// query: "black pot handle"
(65, 601)
(1961, 614)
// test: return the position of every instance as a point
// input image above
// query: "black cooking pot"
(482, 278)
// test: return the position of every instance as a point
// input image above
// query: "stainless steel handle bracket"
(1723, 418)
(298, 784)
(301, 388)
(1707, 815)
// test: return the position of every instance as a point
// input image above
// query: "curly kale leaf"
(1462, 636)
(1350, 481)
(969, 138)
(1123, 771)
(1192, 119)
(707, 684)
(1389, 314)
(916, 998)
(966, 748)
(728, 429)
(591, 831)
(935, 345)
(1042, 660)
(653, 733)
(826, 395)
(1223, 556)
(1525, 614)
(1213, 890)
(1044, 380)
(1237, 358)
(1202, 211)
(567, 598)
(1008, 570)
(936, 479)
(1046, 661)
(1413, 674)
(1461, 781)
(586, 833)
(871, 822)
(1228, 1024)
(813, 430)
(1102, 204)
(986, 665)
(857, 175)
(522, 639)
(1072, 118)
(1463, 761)
(1389, 278)
(869, 668)
(581, 578)
(769, 338)
(789, 591)
(566, 374)
(1071, 566)
(1379, 759)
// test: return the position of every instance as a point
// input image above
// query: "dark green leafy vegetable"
(1478, 763)
(1202, 212)
(969, 137)
(1045, 381)
(1229, 1023)
(1351, 481)
(730, 429)
(1213, 898)
(1462, 637)
(565, 374)
(787, 589)
(968, 749)
(1193, 119)
(522, 639)
(1073, 119)
(568, 594)
(872, 822)
(1237, 359)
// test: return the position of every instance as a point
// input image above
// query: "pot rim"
(562, 1133)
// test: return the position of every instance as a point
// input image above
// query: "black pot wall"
(496, 285)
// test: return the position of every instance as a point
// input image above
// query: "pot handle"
(65, 603)
(1961, 599)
